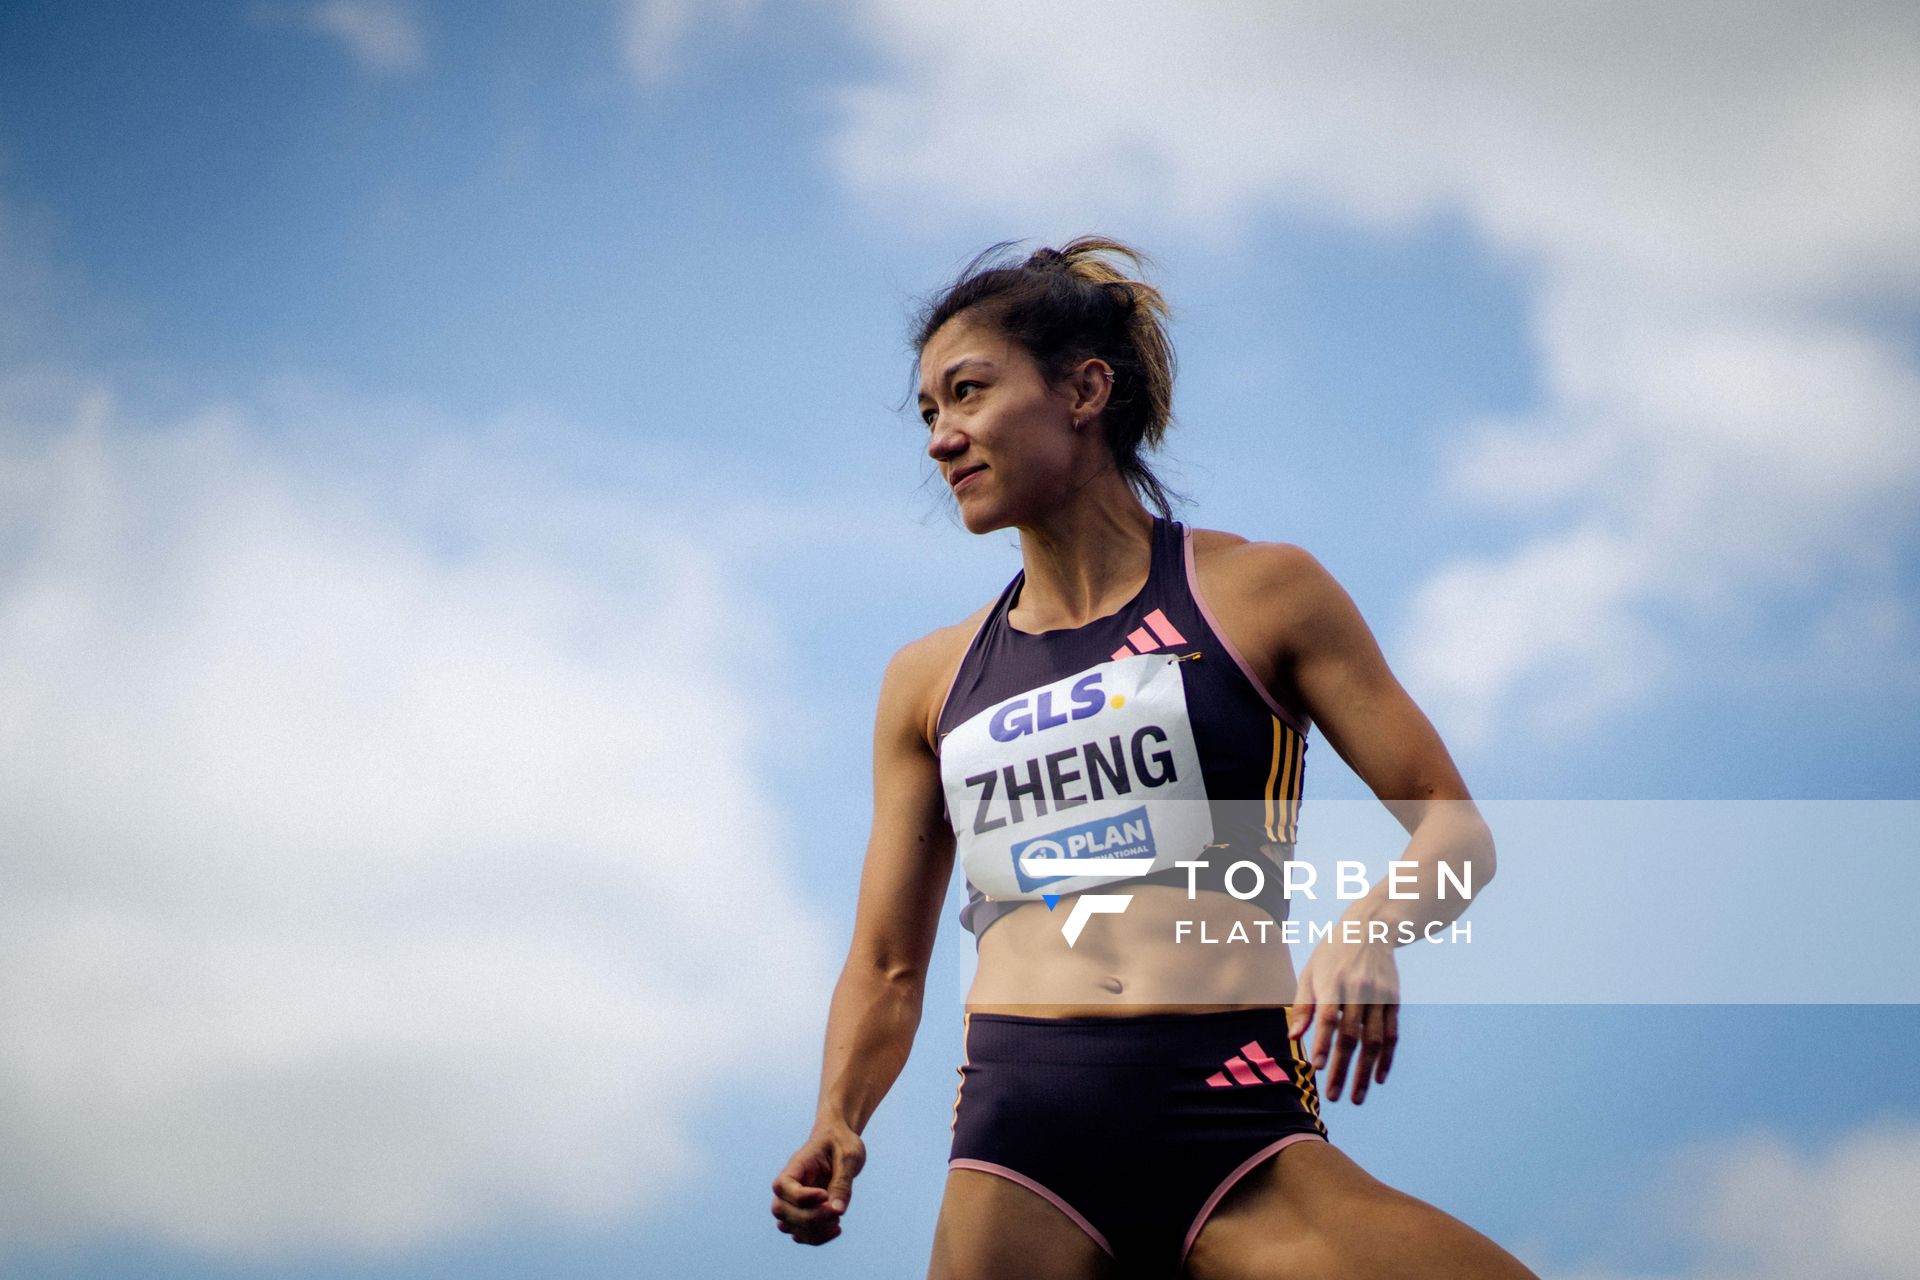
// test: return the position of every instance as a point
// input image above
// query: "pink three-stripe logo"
(1238, 1067)
(1156, 633)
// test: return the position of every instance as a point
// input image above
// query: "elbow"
(901, 977)
(1485, 861)
(1457, 837)
(887, 970)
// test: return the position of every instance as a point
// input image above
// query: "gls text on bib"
(1080, 783)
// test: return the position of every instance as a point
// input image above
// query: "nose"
(944, 443)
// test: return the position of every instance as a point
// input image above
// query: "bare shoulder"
(1274, 604)
(922, 670)
(1270, 572)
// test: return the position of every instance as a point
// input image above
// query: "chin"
(977, 525)
(984, 517)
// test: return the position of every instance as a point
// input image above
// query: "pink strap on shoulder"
(1200, 600)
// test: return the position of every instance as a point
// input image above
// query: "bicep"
(1359, 704)
(909, 857)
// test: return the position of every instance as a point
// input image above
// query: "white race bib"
(1081, 783)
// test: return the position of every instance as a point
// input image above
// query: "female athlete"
(1100, 746)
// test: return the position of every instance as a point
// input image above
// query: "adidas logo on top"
(1158, 631)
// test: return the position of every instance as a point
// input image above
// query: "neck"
(1083, 560)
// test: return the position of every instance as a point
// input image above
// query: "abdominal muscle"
(1129, 962)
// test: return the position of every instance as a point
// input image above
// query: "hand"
(813, 1191)
(1352, 991)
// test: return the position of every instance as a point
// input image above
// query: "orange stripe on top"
(1272, 773)
(1289, 783)
(1142, 639)
(1299, 789)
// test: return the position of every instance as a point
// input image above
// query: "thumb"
(1300, 1015)
(846, 1163)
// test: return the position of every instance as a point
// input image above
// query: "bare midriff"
(1131, 962)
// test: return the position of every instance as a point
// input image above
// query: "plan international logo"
(1114, 847)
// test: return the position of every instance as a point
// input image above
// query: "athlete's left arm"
(1320, 645)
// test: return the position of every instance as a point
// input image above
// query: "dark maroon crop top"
(1251, 751)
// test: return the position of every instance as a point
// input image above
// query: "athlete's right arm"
(876, 1004)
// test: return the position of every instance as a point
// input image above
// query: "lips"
(960, 477)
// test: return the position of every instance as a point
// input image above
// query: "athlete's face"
(1003, 438)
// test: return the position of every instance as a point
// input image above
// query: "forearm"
(870, 1029)
(1448, 832)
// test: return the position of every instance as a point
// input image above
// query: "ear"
(1091, 385)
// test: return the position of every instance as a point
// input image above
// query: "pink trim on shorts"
(1014, 1175)
(1193, 589)
(1246, 1167)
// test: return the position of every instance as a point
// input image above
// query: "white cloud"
(385, 851)
(1728, 462)
(382, 37)
(652, 32)
(1702, 194)
(1761, 144)
(1759, 1209)
(1543, 626)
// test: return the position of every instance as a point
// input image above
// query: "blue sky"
(454, 513)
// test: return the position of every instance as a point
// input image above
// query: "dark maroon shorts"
(1134, 1126)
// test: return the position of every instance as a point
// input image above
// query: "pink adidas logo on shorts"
(1241, 1068)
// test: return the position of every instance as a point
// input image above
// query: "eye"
(960, 389)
